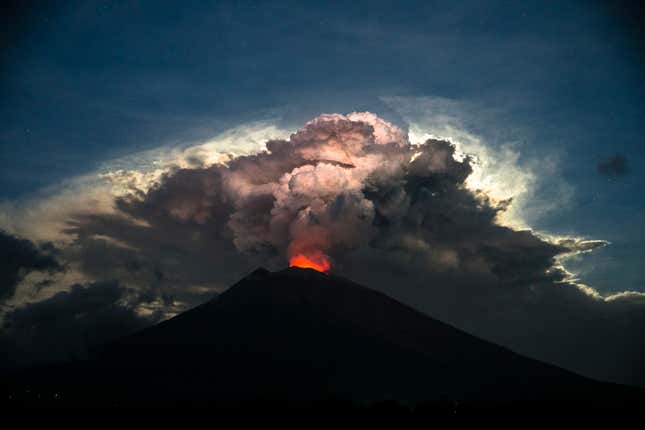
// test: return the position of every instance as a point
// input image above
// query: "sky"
(103, 101)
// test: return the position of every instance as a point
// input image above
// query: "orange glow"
(318, 262)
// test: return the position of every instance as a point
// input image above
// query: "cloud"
(44, 215)
(614, 166)
(68, 324)
(18, 257)
(500, 168)
(398, 214)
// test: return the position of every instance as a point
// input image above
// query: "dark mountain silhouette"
(303, 335)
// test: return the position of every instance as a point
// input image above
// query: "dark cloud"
(18, 257)
(614, 166)
(394, 216)
(66, 325)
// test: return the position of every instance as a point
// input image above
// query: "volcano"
(306, 335)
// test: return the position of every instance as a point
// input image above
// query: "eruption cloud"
(339, 184)
(305, 197)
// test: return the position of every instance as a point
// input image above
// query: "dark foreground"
(270, 409)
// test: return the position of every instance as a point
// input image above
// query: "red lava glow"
(318, 262)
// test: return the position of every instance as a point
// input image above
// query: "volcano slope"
(302, 335)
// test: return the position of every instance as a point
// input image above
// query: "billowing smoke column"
(306, 196)
(348, 192)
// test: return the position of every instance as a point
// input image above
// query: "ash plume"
(338, 184)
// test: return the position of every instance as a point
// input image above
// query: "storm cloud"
(614, 166)
(20, 256)
(70, 323)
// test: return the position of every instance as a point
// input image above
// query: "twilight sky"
(115, 115)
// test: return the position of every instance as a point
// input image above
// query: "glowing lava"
(319, 262)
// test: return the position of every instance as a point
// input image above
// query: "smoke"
(341, 183)
(339, 187)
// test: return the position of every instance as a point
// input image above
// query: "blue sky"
(86, 82)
